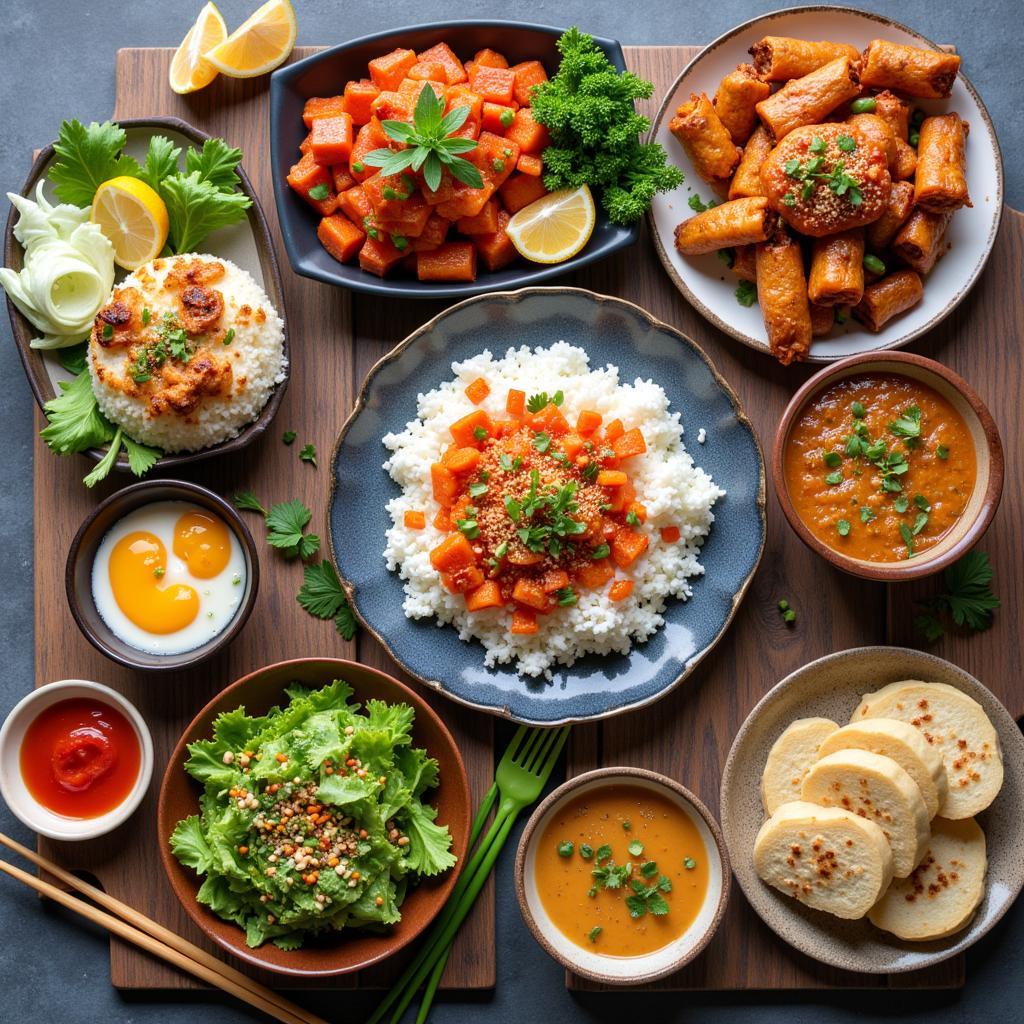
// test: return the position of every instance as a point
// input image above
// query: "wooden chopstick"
(154, 938)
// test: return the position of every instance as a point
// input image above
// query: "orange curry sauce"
(80, 758)
(536, 508)
(598, 917)
(866, 504)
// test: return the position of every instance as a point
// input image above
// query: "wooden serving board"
(335, 338)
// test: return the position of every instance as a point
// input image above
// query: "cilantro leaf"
(308, 454)
(161, 161)
(746, 293)
(285, 523)
(106, 464)
(75, 421)
(87, 157)
(216, 163)
(141, 458)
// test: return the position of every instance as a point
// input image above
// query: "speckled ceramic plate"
(832, 687)
(710, 288)
(611, 331)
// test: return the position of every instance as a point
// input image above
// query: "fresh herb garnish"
(866, 514)
(586, 851)
(907, 425)
(843, 527)
(601, 551)
(247, 501)
(541, 401)
(832, 459)
(698, 205)
(814, 170)
(689, 863)
(832, 479)
(648, 899)
(288, 436)
(901, 504)
(746, 293)
(908, 538)
(942, 452)
(542, 442)
(847, 143)
(967, 599)
(323, 596)
(565, 849)
(594, 932)
(635, 848)
(566, 597)
(320, 192)
(308, 454)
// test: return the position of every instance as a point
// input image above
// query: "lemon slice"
(554, 227)
(133, 217)
(259, 44)
(190, 70)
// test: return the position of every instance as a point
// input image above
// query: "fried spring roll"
(879, 234)
(736, 99)
(906, 161)
(878, 131)
(837, 269)
(940, 182)
(744, 262)
(891, 108)
(810, 99)
(739, 222)
(822, 319)
(887, 298)
(780, 58)
(910, 70)
(747, 179)
(782, 294)
(919, 242)
(706, 140)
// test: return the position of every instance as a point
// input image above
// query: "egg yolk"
(203, 543)
(137, 565)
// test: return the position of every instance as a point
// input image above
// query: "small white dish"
(12, 786)
(623, 970)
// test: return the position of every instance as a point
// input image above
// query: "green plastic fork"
(522, 773)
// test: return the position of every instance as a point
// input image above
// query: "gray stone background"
(56, 61)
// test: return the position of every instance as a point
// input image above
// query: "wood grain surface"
(335, 338)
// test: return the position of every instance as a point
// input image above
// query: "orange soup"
(622, 870)
(879, 466)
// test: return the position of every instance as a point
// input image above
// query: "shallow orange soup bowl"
(597, 962)
(988, 453)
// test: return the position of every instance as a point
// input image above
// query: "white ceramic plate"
(710, 286)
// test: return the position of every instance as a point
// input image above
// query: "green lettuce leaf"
(195, 207)
(429, 843)
(189, 845)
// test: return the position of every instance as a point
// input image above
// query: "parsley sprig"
(968, 598)
(286, 524)
(323, 596)
(544, 517)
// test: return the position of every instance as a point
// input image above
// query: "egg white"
(219, 597)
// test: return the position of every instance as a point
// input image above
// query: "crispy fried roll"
(739, 222)
(940, 182)
(782, 294)
(879, 131)
(919, 242)
(822, 319)
(744, 262)
(906, 161)
(910, 70)
(901, 200)
(892, 109)
(837, 269)
(810, 99)
(706, 140)
(780, 58)
(747, 179)
(887, 298)
(738, 95)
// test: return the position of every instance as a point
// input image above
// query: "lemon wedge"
(554, 227)
(190, 70)
(133, 217)
(259, 44)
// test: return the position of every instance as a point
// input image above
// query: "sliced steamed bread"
(828, 858)
(941, 894)
(878, 789)
(957, 727)
(790, 759)
(904, 744)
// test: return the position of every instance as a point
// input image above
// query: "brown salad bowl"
(862, 517)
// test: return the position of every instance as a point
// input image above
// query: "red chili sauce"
(80, 758)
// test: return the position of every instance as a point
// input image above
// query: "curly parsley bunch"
(595, 132)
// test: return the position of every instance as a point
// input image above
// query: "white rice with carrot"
(676, 495)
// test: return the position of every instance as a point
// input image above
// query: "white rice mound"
(674, 491)
(258, 366)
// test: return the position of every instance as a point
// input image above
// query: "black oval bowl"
(23, 331)
(325, 73)
(78, 573)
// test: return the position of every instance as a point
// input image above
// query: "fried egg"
(168, 577)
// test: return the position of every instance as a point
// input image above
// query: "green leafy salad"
(312, 817)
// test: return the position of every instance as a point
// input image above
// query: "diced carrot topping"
(531, 594)
(515, 404)
(371, 136)
(453, 261)
(322, 106)
(444, 483)
(572, 445)
(340, 237)
(628, 546)
(531, 165)
(494, 84)
(442, 521)
(622, 497)
(612, 478)
(531, 136)
(614, 431)
(414, 519)
(620, 590)
(596, 574)
(464, 431)
(454, 552)
(497, 251)
(378, 255)
(670, 534)
(342, 178)
(506, 428)
(462, 461)
(520, 190)
(487, 595)
(551, 420)
(442, 54)
(492, 114)
(428, 71)
(355, 205)
(490, 59)
(314, 183)
(359, 97)
(331, 138)
(629, 444)
(523, 558)
(463, 579)
(554, 579)
(478, 390)
(639, 510)
(433, 234)
(528, 74)
(388, 71)
(484, 223)
(524, 621)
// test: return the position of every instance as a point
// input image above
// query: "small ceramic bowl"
(988, 450)
(15, 793)
(78, 573)
(620, 970)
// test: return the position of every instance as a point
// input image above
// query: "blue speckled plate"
(611, 331)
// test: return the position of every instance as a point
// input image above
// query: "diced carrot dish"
(444, 234)
(524, 622)
(414, 519)
(620, 590)
(487, 595)
(629, 444)
(588, 422)
(515, 404)
(472, 430)
(478, 390)
(627, 546)
(670, 534)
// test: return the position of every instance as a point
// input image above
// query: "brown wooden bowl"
(348, 952)
(988, 451)
(32, 359)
